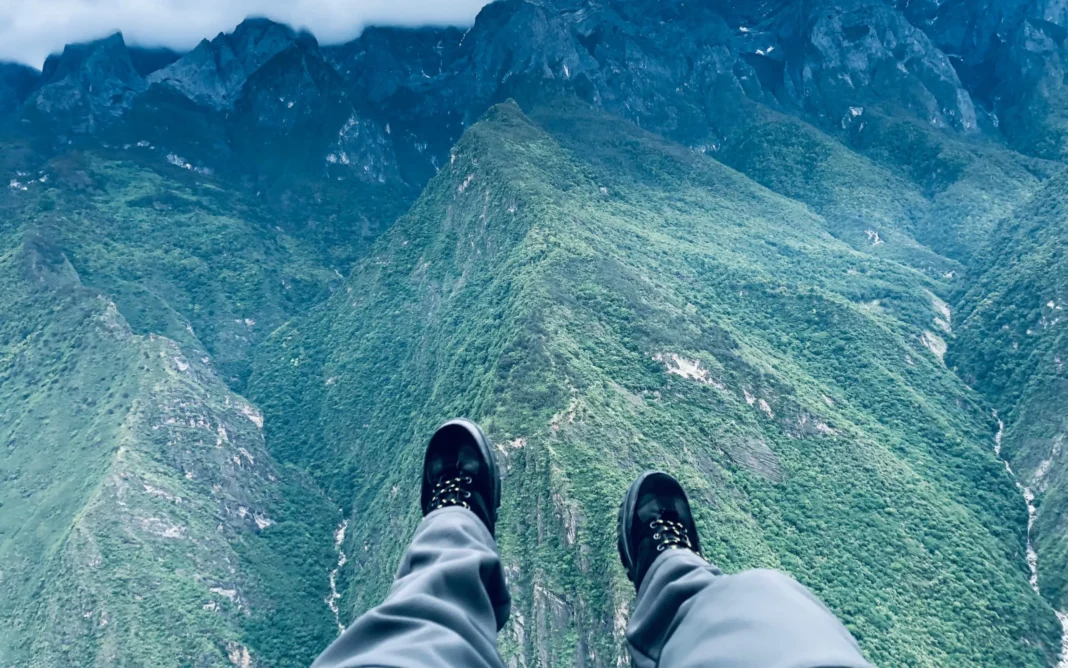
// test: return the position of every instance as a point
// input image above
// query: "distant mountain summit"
(214, 72)
(993, 68)
(85, 86)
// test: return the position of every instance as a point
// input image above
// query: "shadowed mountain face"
(807, 256)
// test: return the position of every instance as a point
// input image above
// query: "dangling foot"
(460, 470)
(655, 516)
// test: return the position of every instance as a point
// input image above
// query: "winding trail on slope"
(1032, 555)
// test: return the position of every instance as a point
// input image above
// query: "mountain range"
(808, 256)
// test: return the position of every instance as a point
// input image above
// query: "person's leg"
(449, 597)
(446, 605)
(688, 613)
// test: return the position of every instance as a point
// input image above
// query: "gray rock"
(86, 84)
(16, 82)
(214, 72)
(683, 69)
(868, 53)
(297, 105)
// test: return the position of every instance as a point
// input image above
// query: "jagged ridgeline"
(795, 253)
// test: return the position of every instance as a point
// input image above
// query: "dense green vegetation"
(545, 283)
(1012, 346)
(140, 510)
(184, 255)
(804, 256)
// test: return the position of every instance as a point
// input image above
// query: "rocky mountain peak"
(99, 60)
(960, 67)
(86, 83)
(257, 40)
(214, 72)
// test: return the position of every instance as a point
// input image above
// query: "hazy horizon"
(30, 33)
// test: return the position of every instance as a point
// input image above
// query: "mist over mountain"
(807, 256)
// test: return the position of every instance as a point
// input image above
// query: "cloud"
(30, 30)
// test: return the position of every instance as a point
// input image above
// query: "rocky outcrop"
(408, 80)
(1011, 56)
(85, 85)
(297, 105)
(995, 67)
(865, 53)
(214, 72)
(16, 82)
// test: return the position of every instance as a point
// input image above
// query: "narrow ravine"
(1032, 555)
(333, 597)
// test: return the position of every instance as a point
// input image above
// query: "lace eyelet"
(659, 548)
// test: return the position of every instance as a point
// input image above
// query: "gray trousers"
(450, 599)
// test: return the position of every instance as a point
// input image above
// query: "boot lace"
(451, 491)
(670, 535)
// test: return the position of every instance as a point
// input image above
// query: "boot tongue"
(467, 466)
(468, 460)
(649, 508)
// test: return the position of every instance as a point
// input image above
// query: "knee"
(766, 580)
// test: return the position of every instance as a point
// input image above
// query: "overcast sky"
(32, 29)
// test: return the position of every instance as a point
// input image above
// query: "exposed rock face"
(87, 84)
(214, 72)
(830, 62)
(293, 88)
(994, 67)
(297, 102)
(408, 80)
(16, 82)
(1011, 57)
(868, 53)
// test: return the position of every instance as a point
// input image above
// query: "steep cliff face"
(795, 252)
(214, 72)
(16, 81)
(85, 86)
(1011, 56)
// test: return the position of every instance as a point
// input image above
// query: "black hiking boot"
(460, 470)
(655, 516)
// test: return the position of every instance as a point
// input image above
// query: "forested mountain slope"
(597, 327)
(1013, 346)
(797, 253)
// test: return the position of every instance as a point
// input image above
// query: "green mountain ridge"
(808, 257)
(596, 327)
(151, 530)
